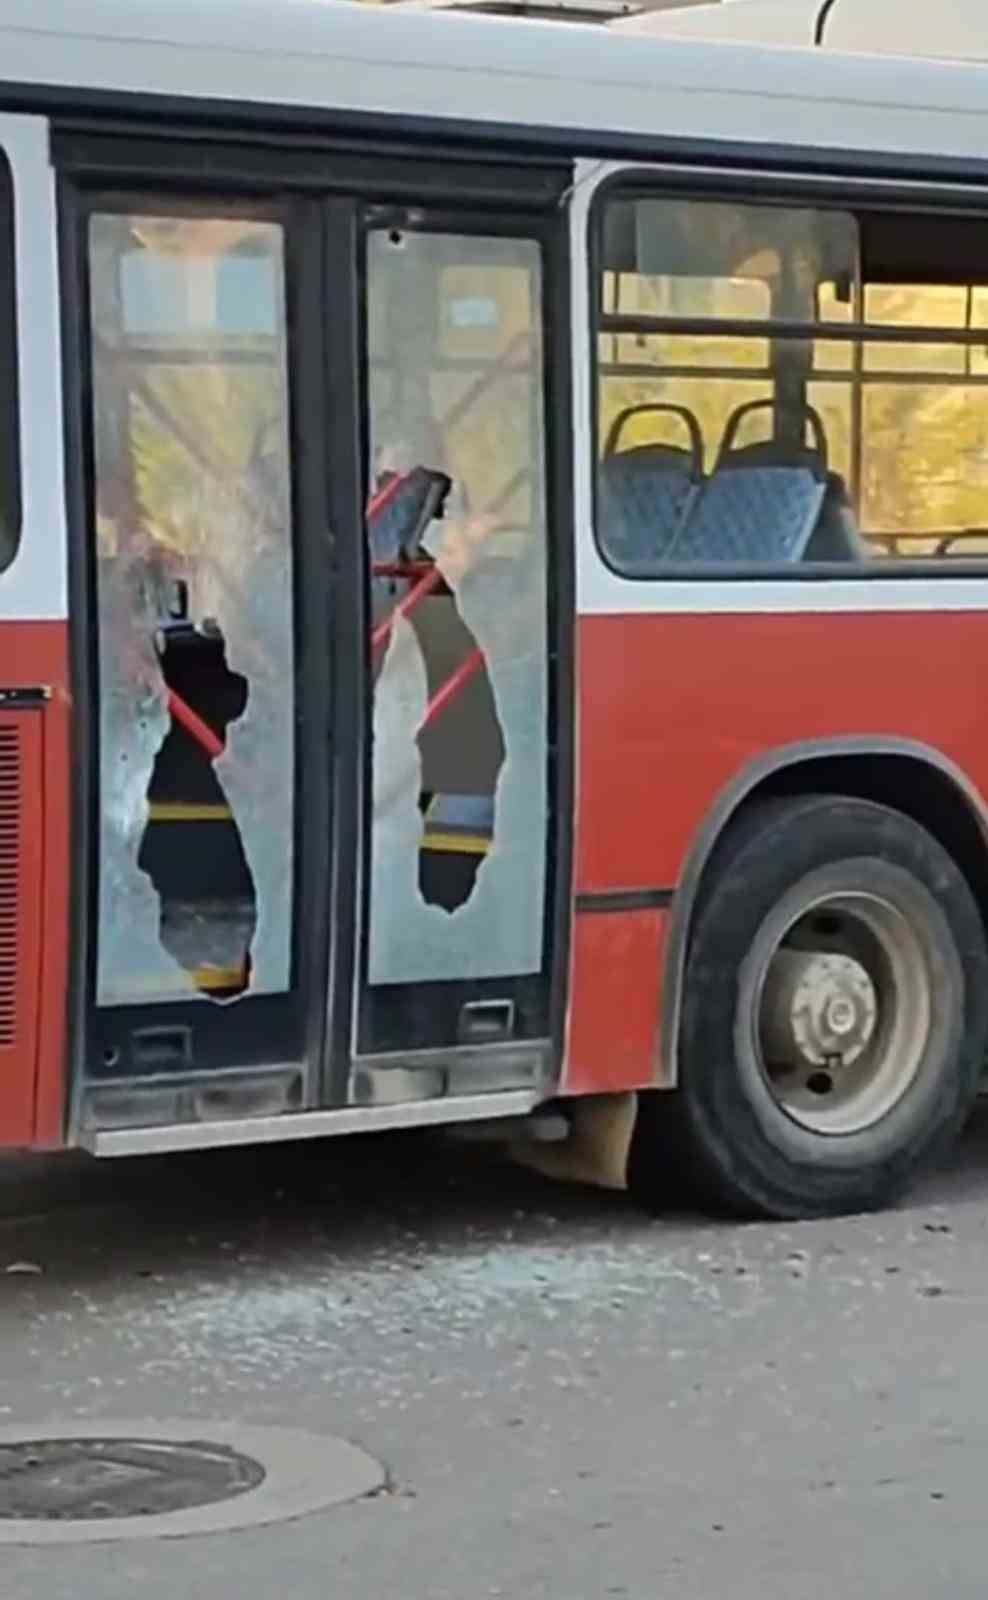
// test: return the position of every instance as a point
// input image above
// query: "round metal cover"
(78, 1481)
(83, 1480)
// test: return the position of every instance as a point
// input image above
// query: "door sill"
(307, 1124)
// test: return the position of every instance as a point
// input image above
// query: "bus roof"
(551, 86)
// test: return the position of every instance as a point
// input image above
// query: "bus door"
(314, 631)
(457, 948)
(201, 583)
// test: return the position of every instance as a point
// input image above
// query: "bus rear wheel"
(835, 1016)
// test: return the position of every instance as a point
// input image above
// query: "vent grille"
(11, 855)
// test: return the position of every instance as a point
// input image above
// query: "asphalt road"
(571, 1401)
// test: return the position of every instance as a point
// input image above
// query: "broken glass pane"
(459, 805)
(132, 965)
(195, 605)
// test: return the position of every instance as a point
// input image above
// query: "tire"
(834, 1020)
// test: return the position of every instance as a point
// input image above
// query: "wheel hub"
(820, 1009)
(843, 1010)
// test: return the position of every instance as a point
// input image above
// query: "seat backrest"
(406, 508)
(762, 503)
(643, 496)
(645, 492)
(752, 514)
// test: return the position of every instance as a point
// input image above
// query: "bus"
(494, 593)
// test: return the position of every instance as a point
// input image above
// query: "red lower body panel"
(35, 812)
(616, 978)
(672, 708)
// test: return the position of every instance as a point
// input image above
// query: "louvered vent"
(22, 834)
(11, 855)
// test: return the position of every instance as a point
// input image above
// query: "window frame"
(12, 513)
(744, 187)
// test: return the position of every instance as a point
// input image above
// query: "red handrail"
(458, 680)
(400, 569)
(383, 498)
(433, 577)
(190, 720)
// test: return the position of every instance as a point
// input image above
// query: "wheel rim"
(842, 1012)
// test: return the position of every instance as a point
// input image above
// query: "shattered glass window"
(456, 527)
(195, 600)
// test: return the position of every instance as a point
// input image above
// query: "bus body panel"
(34, 657)
(673, 708)
(616, 984)
(35, 688)
(35, 585)
(683, 684)
(672, 711)
(324, 62)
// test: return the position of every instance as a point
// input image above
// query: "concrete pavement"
(571, 1400)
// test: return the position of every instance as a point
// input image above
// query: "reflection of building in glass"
(194, 523)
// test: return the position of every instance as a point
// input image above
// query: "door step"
(515, 1104)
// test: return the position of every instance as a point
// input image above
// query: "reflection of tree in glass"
(208, 441)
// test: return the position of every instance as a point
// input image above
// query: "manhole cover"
(78, 1481)
(84, 1480)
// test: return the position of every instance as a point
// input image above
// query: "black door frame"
(539, 994)
(319, 181)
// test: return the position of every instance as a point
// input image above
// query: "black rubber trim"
(625, 900)
(194, 117)
(208, 157)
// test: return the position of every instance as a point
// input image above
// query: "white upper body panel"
(35, 585)
(330, 57)
(326, 59)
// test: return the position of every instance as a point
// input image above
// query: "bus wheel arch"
(906, 775)
(834, 1015)
(877, 890)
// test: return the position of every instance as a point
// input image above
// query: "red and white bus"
(494, 594)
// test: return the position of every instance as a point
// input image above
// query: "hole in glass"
(208, 903)
(459, 740)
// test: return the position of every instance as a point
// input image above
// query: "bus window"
(458, 829)
(711, 449)
(194, 583)
(781, 386)
(10, 486)
(924, 407)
